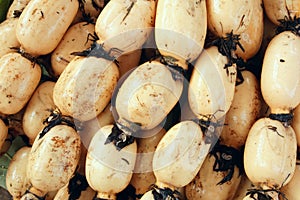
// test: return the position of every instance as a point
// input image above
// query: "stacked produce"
(145, 99)
(272, 140)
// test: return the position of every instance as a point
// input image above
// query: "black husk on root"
(129, 193)
(119, 138)
(77, 184)
(289, 24)
(209, 128)
(226, 159)
(227, 47)
(56, 118)
(86, 17)
(97, 50)
(260, 194)
(285, 119)
(47, 73)
(165, 193)
(26, 55)
(178, 73)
